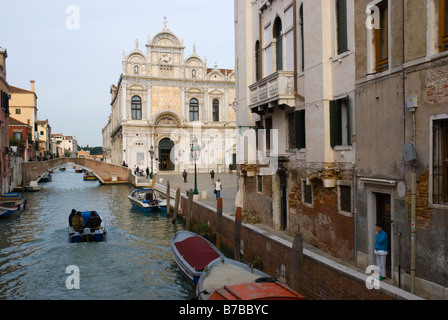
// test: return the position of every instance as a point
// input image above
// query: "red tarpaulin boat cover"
(197, 252)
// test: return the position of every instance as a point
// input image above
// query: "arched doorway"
(165, 163)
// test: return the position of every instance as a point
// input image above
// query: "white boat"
(147, 200)
(192, 254)
(224, 273)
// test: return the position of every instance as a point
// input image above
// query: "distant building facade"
(23, 107)
(164, 100)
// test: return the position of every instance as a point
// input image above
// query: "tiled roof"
(19, 90)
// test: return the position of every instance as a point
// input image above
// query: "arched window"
(216, 110)
(257, 60)
(194, 110)
(136, 108)
(279, 47)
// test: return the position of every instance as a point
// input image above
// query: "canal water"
(134, 263)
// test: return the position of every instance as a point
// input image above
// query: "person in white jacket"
(218, 188)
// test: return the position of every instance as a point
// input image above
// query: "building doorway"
(384, 216)
(165, 161)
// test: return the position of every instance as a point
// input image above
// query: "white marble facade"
(164, 100)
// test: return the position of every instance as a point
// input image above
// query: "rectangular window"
(268, 127)
(307, 193)
(345, 198)
(341, 25)
(299, 119)
(17, 135)
(440, 162)
(443, 25)
(340, 122)
(382, 38)
(260, 184)
(18, 111)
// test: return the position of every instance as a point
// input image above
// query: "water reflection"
(134, 262)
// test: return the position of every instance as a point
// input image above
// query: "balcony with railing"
(275, 90)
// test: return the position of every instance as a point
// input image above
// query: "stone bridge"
(105, 172)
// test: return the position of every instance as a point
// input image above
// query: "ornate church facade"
(169, 112)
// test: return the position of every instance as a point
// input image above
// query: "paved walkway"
(205, 187)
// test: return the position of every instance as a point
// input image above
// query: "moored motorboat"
(261, 290)
(78, 169)
(192, 254)
(11, 204)
(147, 200)
(88, 234)
(226, 272)
(89, 175)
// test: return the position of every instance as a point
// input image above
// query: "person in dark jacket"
(93, 222)
(70, 217)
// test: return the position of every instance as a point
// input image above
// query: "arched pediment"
(167, 119)
(136, 57)
(165, 39)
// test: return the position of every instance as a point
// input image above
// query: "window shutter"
(349, 120)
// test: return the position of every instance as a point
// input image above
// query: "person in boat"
(78, 221)
(93, 222)
(70, 217)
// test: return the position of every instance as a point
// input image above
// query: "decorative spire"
(165, 28)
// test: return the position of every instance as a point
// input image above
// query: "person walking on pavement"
(218, 188)
(212, 176)
(184, 175)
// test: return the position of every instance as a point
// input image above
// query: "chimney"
(32, 85)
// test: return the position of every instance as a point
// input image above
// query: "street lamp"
(151, 153)
(195, 149)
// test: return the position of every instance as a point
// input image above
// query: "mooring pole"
(218, 222)
(237, 238)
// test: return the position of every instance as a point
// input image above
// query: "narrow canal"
(135, 261)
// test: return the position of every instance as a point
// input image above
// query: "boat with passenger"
(147, 200)
(91, 231)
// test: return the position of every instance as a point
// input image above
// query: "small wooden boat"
(88, 235)
(192, 254)
(78, 170)
(89, 175)
(256, 291)
(227, 272)
(147, 200)
(62, 169)
(11, 204)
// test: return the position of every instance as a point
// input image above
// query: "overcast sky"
(75, 61)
